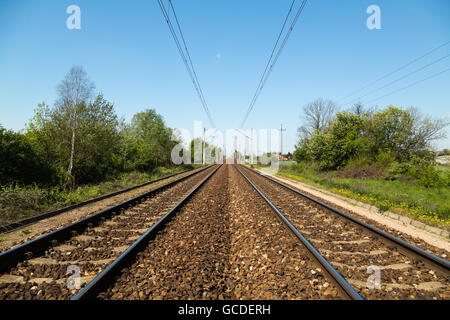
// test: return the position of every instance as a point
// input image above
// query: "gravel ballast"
(352, 250)
(225, 243)
(45, 276)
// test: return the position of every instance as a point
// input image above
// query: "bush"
(19, 161)
(358, 162)
(362, 172)
(431, 178)
(397, 170)
(19, 199)
(298, 167)
(301, 153)
(384, 158)
(426, 175)
(335, 147)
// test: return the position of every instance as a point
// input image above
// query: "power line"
(403, 77)
(395, 71)
(185, 56)
(188, 55)
(273, 51)
(410, 85)
(268, 70)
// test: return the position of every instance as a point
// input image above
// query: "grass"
(286, 163)
(443, 168)
(429, 205)
(25, 232)
(18, 202)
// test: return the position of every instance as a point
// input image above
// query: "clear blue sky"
(127, 50)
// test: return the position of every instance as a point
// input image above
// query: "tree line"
(82, 140)
(359, 137)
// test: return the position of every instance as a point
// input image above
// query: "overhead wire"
(268, 70)
(185, 56)
(402, 77)
(410, 85)
(394, 71)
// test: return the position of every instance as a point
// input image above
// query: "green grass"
(18, 202)
(443, 168)
(286, 163)
(25, 232)
(430, 205)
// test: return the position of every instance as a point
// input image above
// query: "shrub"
(19, 161)
(431, 178)
(384, 158)
(359, 161)
(301, 153)
(397, 170)
(362, 172)
(14, 198)
(298, 167)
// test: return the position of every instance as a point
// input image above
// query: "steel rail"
(11, 257)
(18, 224)
(407, 248)
(343, 285)
(93, 288)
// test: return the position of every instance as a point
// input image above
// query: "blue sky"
(127, 50)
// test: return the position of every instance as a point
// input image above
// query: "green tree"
(98, 141)
(74, 91)
(402, 132)
(95, 145)
(336, 146)
(18, 161)
(153, 144)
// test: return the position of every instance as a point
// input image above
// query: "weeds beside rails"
(419, 207)
(17, 202)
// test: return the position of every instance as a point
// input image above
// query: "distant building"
(281, 157)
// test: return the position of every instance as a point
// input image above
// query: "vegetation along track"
(352, 248)
(8, 227)
(39, 269)
(224, 243)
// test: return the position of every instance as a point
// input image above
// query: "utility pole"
(251, 147)
(281, 140)
(235, 149)
(204, 144)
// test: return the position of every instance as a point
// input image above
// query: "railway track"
(355, 249)
(38, 269)
(8, 227)
(224, 243)
(225, 232)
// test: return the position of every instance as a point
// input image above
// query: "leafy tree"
(94, 146)
(80, 140)
(97, 139)
(127, 146)
(153, 143)
(18, 161)
(403, 132)
(337, 145)
(74, 91)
